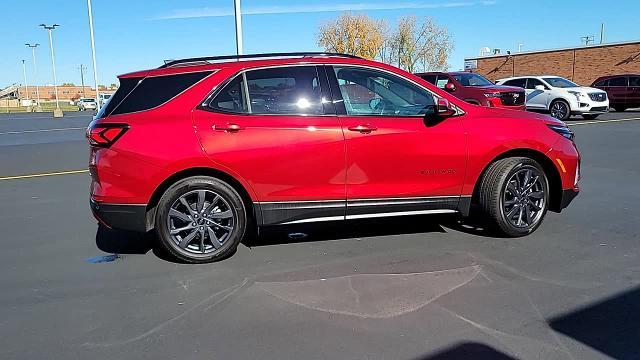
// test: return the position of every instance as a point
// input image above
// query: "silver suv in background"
(85, 104)
(560, 97)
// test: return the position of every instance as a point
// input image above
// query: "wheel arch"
(198, 171)
(553, 175)
(556, 98)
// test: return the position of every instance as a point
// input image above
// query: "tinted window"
(516, 82)
(290, 90)
(371, 92)
(559, 82)
(157, 90)
(618, 81)
(602, 83)
(472, 80)
(429, 78)
(126, 85)
(634, 81)
(231, 98)
(532, 83)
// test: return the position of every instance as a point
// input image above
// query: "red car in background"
(205, 150)
(622, 90)
(476, 89)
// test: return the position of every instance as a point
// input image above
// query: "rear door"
(617, 89)
(633, 98)
(276, 128)
(397, 162)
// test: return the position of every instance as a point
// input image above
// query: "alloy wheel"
(559, 110)
(201, 221)
(524, 198)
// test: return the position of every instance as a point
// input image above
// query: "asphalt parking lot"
(411, 288)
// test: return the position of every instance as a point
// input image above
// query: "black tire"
(619, 108)
(193, 186)
(590, 116)
(493, 192)
(559, 102)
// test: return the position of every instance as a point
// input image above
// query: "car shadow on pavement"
(611, 326)
(338, 230)
(128, 242)
(467, 351)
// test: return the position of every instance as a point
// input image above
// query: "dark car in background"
(476, 89)
(623, 90)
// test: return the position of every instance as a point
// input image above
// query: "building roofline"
(554, 50)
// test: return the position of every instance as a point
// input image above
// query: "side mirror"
(540, 87)
(450, 87)
(444, 108)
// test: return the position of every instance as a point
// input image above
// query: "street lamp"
(35, 74)
(24, 73)
(57, 112)
(238, 15)
(93, 54)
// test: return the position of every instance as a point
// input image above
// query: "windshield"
(471, 80)
(560, 82)
(88, 100)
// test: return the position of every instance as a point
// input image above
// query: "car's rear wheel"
(590, 116)
(560, 109)
(200, 219)
(514, 196)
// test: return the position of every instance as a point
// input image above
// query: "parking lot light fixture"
(57, 112)
(35, 74)
(24, 73)
(93, 55)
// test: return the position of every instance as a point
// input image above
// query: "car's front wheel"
(514, 196)
(200, 219)
(560, 109)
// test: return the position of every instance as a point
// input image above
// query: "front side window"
(372, 92)
(618, 81)
(442, 81)
(602, 83)
(231, 98)
(429, 78)
(532, 83)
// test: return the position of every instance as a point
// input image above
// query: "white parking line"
(602, 121)
(30, 176)
(40, 130)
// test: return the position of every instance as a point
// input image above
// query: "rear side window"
(157, 90)
(618, 81)
(126, 85)
(430, 78)
(516, 82)
(276, 91)
(634, 81)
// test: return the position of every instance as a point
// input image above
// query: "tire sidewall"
(568, 115)
(201, 183)
(504, 223)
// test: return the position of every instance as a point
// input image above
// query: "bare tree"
(353, 34)
(420, 46)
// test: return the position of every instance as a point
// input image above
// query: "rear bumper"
(121, 216)
(568, 196)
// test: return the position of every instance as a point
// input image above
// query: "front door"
(536, 98)
(276, 129)
(397, 162)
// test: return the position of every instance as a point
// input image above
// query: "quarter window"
(371, 92)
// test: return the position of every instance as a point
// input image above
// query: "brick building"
(64, 92)
(580, 64)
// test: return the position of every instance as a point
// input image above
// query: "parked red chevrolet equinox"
(202, 150)
(476, 89)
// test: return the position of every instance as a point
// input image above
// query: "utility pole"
(601, 33)
(57, 112)
(35, 74)
(520, 45)
(238, 27)
(93, 55)
(26, 87)
(82, 67)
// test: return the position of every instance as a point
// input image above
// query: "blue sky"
(133, 35)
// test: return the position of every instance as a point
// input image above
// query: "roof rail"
(207, 59)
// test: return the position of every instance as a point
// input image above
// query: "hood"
(494, 112)
(501, 88)
(584, 89)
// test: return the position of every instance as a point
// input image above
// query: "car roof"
(249, 61)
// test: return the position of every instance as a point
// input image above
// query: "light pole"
(24, 72)
(35, 74)
(238, 27)
(93, 55)
(57, 112)
(82, 67)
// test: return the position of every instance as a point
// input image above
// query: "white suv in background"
(559, 96)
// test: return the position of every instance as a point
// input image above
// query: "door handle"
(363, 128)
(229, 127)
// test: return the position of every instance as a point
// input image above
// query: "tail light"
(104, 135)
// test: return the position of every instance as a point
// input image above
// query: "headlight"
(563, 130)
(493, 95)
(577, 94)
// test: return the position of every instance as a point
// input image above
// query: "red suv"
(203, 150)
(476, 89)
(623, 91)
